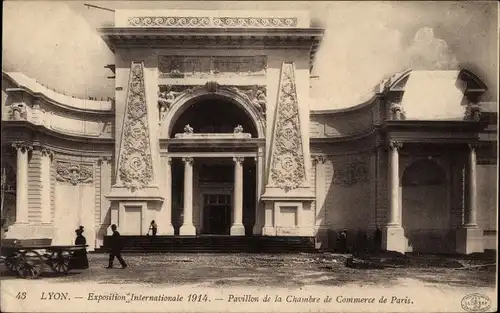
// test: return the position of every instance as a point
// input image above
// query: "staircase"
(213, 244)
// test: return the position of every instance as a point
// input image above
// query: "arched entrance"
(425, 208)
(223, 133)
(212, 114)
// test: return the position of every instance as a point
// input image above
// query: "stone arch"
(228, 94)
(426, 212)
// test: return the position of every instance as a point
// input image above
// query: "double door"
(217, 214)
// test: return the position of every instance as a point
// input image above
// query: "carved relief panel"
(209, 66)
(168, 94)
(74, 173)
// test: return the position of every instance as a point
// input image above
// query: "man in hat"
(116, 248)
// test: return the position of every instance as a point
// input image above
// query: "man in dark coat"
(116, 248)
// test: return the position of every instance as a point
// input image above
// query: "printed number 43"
(21, 295)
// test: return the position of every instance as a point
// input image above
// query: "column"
(393, 238)
(165, 224)
(394, 216)
(22, 182)
(46, 212)
(469, 237)
(237, 229)
(187, 227)
(471, 209)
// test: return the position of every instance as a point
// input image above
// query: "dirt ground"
(248, 270)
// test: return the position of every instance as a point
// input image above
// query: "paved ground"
(248, 270)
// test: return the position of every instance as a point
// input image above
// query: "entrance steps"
(214, 244)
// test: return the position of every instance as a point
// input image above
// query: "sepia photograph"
(249, 156)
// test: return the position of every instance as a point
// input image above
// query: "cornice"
(39, 95)
(6, 125)
(214, 38)
(343, 139)
(366, 105)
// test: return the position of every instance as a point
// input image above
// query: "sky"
(364, 42)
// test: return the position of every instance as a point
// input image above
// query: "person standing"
(80, 259)
(116, 248)
(153, 227)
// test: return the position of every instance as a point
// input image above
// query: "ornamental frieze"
(287, 162)
(135, 166)
(255, 22)
(209, 66)
(172, 21)
(204, 21)
(74, 173)
(350, 174)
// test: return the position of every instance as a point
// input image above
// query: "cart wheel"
(11, 263)
(60, 261)
(14, 262)
(31, 268)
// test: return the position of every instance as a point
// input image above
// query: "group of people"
(80, 259)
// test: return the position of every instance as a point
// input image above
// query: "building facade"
(213, 130)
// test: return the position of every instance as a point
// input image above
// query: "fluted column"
(22, 181)
(471, 209)
(46, 212)
(187, 227)
(394, 212)
(237, 229)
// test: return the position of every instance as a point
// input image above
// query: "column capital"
(393, 144)
(188, 160)
(104, 159)
(318, 159)
(238, 159)
(169, 160)
(473, 146)
(22, 146)
(46, 152)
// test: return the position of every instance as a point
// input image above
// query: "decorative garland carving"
(169, 21)
(255, 22)
(210, 66)
(74, 173)
(135, 167)
(350, 174)
(287, 164)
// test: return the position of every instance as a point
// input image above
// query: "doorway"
(217, 214)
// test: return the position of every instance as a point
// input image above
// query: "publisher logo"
(476, 302)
